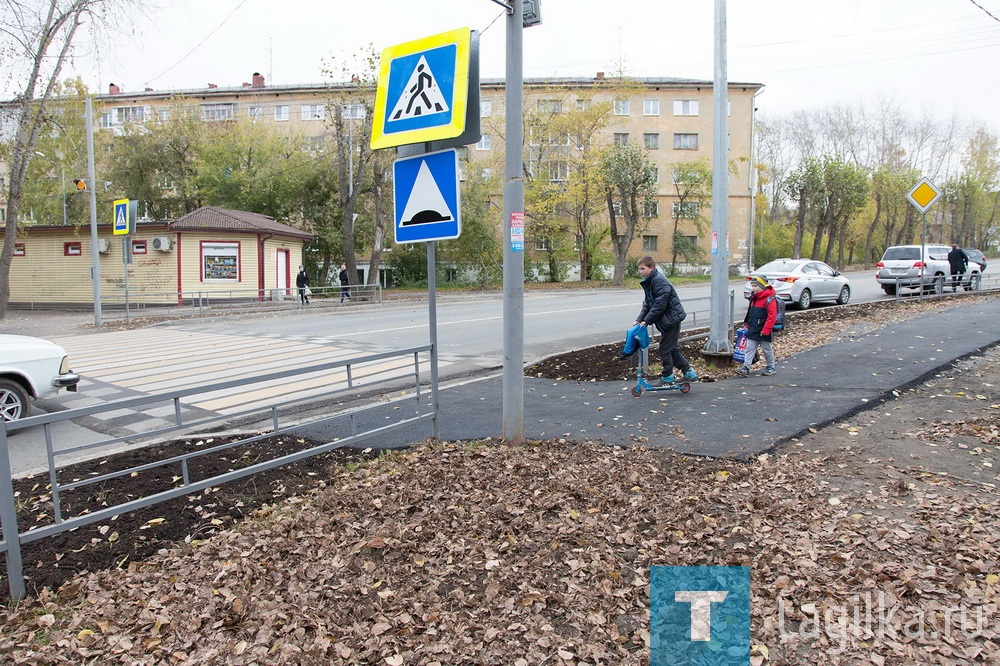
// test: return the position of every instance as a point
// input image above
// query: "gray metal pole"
(718, 333)
(432, 325)
(513, 257)
(95, 257)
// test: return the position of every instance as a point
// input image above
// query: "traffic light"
(81, 185)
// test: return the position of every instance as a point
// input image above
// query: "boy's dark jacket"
(661, 307)
(761, 315)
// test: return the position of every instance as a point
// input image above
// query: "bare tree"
(40, 34)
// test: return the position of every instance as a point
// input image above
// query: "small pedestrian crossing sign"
(122, 224)
(426, 200)
(423, 90)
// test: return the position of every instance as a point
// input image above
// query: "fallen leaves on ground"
(488, 553)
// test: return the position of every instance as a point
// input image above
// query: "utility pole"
(513, 242)
(95, 257)
(718, 345)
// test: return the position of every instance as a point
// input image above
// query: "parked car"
(31, 368)
(976, 256)
(802, 281)
(902, 268)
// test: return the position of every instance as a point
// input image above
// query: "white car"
(31, 368)
(901, 268)
(802, 281)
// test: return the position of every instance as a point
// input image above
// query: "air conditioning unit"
(103, 245)
(162, 243)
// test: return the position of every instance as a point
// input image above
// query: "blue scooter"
(641, 384)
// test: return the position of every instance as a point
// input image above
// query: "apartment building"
(671, 117)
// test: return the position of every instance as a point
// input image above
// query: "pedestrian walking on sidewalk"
(302, 284)
(345, 283)
(760, 318)
(662, 308)
(959, 262)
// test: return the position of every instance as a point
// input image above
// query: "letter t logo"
(701, 610)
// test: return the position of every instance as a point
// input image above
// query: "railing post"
(8, 517)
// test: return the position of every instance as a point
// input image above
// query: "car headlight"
(64, 366)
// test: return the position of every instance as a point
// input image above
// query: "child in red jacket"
(761, 315)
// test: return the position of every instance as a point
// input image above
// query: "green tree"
(36, 39)
(693, 186)
(630, 190)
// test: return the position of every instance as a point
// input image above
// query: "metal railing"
(210, 303)
(371, 372)
(941, 285)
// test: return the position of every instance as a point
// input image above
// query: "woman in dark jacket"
(662, 308)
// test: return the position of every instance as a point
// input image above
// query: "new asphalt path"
(737, 417)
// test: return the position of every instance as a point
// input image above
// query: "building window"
(73, 249)
(220, 261)
(689, 210)
(692, 240)
(107, 120)
(741, 244)
(617, 207)
(218, 111)
(354, 111)
(649, 243)
(621, 138)
(685, 107)
(255, 112)
(138, 247)
(651, 141)
(651, 209)
(163, 115)
(549, 106)
(582, 105)
(485, 108)
(621, 107)
(315, 144)
(281, 112)
(685, 142)
(19, 250)
(542, 244)
(485, 142)
(558, 171)
(651, 107)
(313, 111)
(656, 175)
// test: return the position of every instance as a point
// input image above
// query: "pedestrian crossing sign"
(426, 198)
(123, 221)
(423, 90)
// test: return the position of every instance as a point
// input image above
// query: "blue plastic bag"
(636, 338)
(740, 349)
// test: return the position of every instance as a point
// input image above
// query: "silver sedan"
(802, 281)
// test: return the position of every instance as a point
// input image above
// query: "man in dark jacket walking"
(302, 284)
(662, 308)
(959, 262)
(761, 315)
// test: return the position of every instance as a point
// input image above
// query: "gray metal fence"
(375, 373)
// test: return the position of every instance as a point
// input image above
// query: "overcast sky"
(941, 56)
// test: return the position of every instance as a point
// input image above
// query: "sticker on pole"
(923, 195)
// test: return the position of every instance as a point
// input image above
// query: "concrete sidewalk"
(737, 417)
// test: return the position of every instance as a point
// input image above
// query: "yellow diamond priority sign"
(923, 195)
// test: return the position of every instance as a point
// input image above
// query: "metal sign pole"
(432, 324)
(513, 259)
(125, 262)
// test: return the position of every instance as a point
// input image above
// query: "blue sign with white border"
(426, 200)
(699, 615)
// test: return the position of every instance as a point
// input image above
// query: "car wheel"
(973, 282)
(805, 299)
(889, 289)
(13, 400)
(938, 286)
(845, 295)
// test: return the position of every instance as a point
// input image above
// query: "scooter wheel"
(685, 387)
(636, 391)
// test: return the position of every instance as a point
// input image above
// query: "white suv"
(901, 268)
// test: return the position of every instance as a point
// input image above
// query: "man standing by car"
(959, 263)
